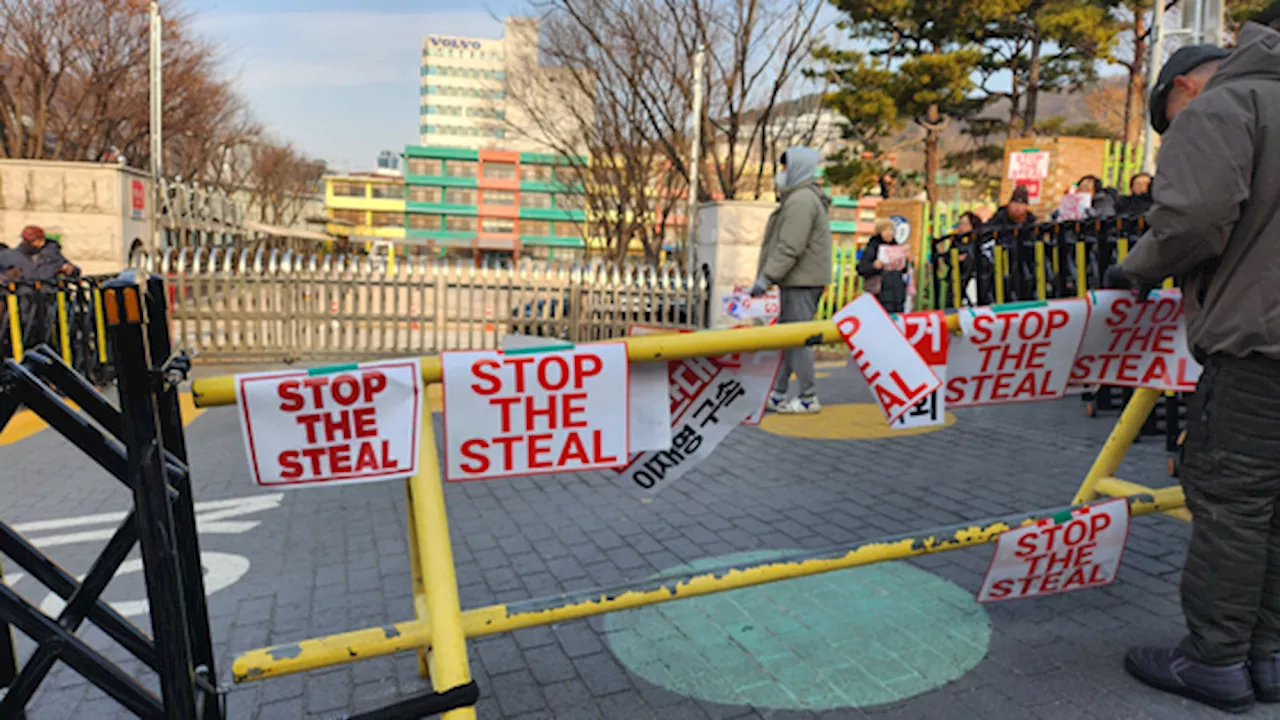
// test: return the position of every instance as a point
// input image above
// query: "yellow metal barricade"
(440, 628)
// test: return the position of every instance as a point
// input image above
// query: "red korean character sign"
(1131, 343)
(927, 333)
(512, 414)
(1077, 550)
(898, 376)
(1014, 353)
(328, 426)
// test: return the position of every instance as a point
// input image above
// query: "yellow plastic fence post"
(956, 290)
(1082, 272)
(1000, 269)
(100, 326)
(1122, 436)
(64, 332)
(1122, 249)
(15, 322)
(1040, 292)
(447, 658)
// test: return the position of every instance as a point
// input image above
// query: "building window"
(498, 225)
(569, 229)
(424, 193)
(535, 173)
(348, 189)
(844, 214)
(497, 197)
(460, 168)
(424, 221)
(535, 199)
(535, 228)
(355, 217)
(425, 166)
(387, 192)
(460, 223)
(500, 171)
(565, 201)
(460, 196)
(386, 219)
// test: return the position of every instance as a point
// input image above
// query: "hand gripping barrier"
(440, 627)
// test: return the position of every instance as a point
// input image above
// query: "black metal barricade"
(140, 444)
(65, 314)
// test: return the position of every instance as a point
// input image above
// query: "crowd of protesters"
(36, 259)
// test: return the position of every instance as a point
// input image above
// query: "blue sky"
(339, 78)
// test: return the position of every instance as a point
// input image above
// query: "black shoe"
(1224, 687)
(1265, 672)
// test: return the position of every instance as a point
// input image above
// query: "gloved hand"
(1115, 278)
(760, 287)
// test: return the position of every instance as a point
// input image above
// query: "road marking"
(221, 571)
(25, 423)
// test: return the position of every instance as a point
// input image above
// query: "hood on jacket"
(802, 165)
(1256, 56)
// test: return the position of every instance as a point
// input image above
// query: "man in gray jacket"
(796, 256)
(1215, 224)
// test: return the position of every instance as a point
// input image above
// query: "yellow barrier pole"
(15, 322)
(998, 257)
(1082, 271)
(1122, 436)
(317, 653)
(101, 327)
(419, 583)
(447, 659)
(1122, 249)
(64, 332)
(1115, 487)
(212, 391)
(1039, 254)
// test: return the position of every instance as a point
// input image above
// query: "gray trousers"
(799, 304)
(1231, 477)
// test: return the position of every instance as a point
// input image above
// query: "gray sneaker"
(1265, 672)
(1224, 687)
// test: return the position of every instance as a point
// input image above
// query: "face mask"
(780, 180)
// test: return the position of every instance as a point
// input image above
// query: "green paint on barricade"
(539, 349)
(850, 638)
(330, 369)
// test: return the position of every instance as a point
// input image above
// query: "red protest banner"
(927, 333)
(352, 424)
(898, 376)
(1080, 551)
(1131, 343)
(1015, 353)
(507, 415)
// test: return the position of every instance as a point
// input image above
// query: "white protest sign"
(898, 376)
(1015, 353)
(648, 418)
(927, 333)
(1131, 343)
(1082, 549)
(1028, 165)
(739, 304)
(347, 424)
(509, 414)
(704, 423)
(757, 371)
(894, 257)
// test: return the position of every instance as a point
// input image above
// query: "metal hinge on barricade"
(177, 368)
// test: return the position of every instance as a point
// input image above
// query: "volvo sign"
(460, 43)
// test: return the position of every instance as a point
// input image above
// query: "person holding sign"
(796, 256)
(884, 264)
(1215, 224)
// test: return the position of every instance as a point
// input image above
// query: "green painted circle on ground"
(850, 638)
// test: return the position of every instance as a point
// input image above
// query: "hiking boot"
(800, 406)
(1224, 687)
(1265, 672)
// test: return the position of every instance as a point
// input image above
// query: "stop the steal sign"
(1077, 550)
(528, 413)
(353, 423)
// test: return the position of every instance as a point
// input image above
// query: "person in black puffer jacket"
(888, 284)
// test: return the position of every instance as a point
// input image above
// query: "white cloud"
(265, 51)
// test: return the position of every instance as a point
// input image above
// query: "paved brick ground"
(329, 560)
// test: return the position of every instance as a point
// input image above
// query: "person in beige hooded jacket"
(796, 256)
(1215, 225)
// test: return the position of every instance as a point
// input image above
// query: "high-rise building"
(388, 160)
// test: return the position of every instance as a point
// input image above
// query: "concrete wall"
(729, 237)
(87, 204)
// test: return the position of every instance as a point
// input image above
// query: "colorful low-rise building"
(365, 207)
